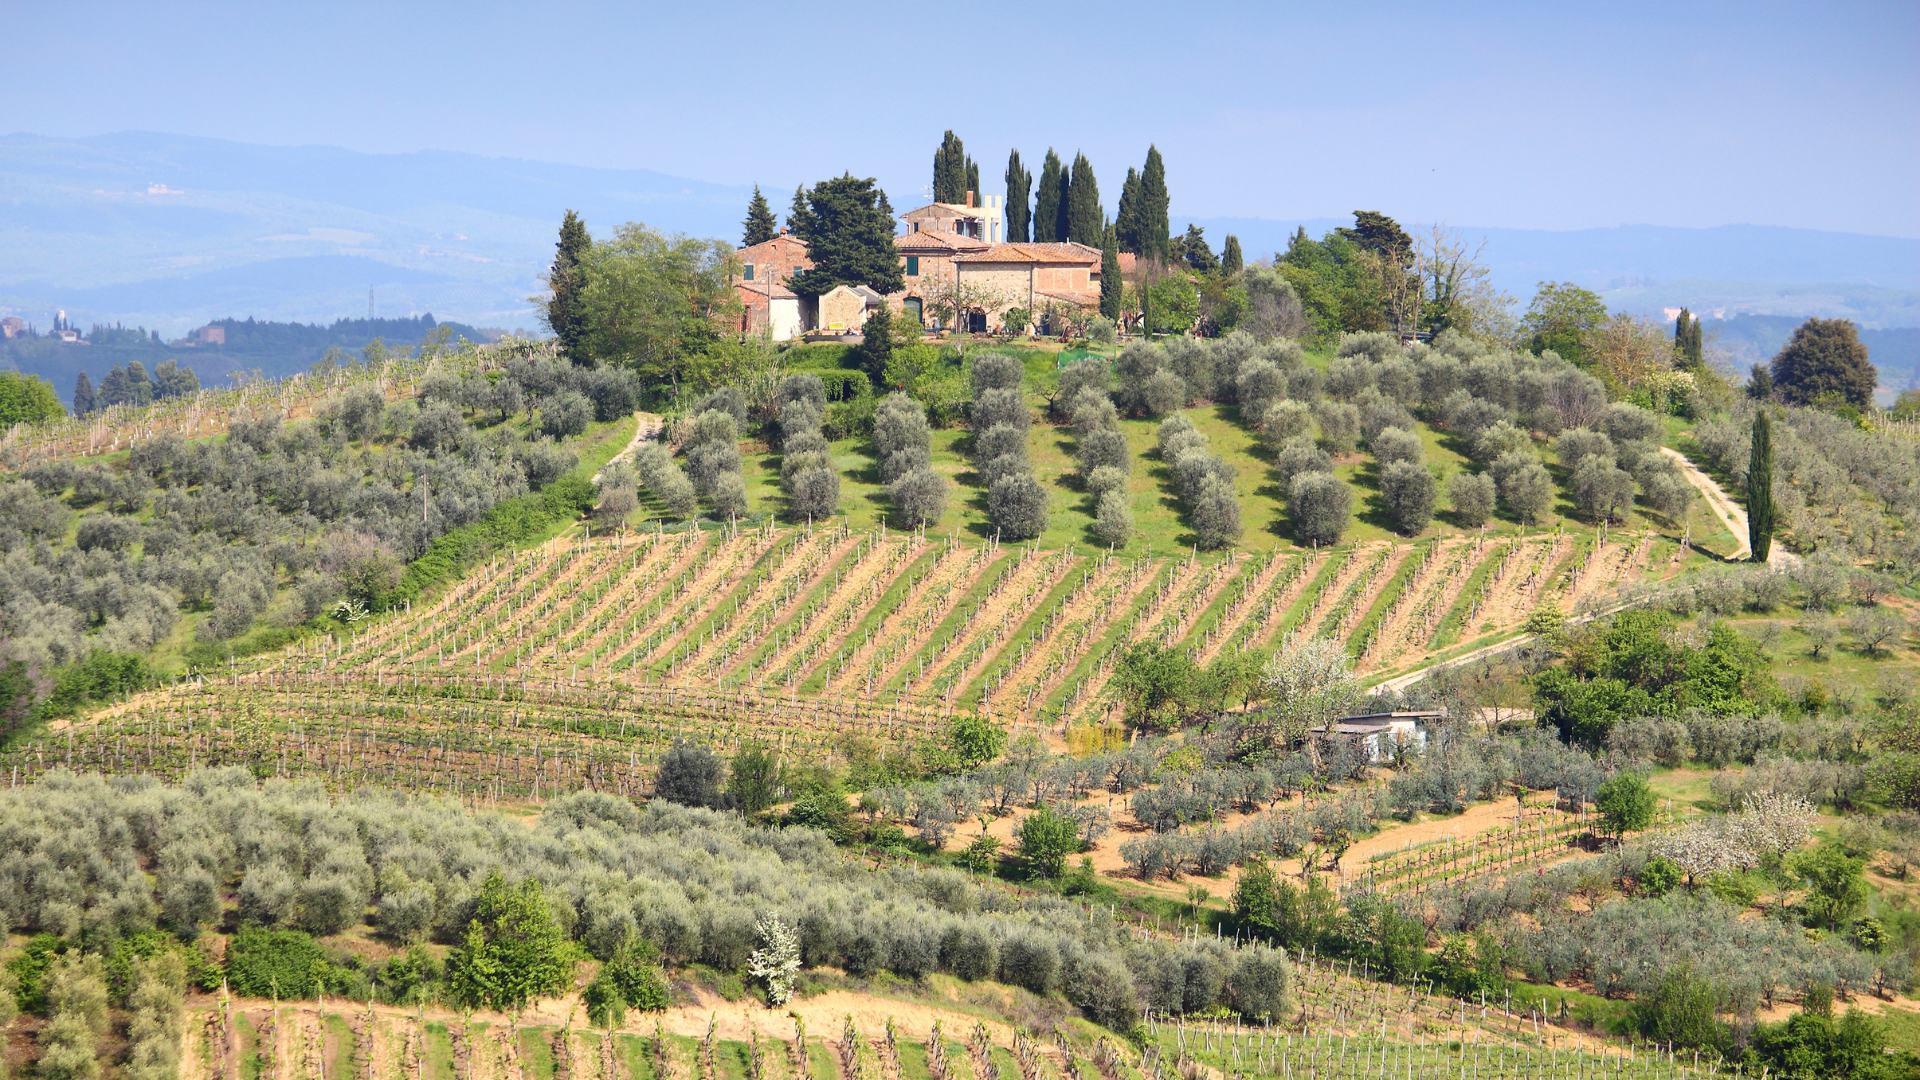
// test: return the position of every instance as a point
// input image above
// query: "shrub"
(513, 949)
(1407, 490)
(278, 964)
(1320, 507)
(689, 775)
(1046, 838)
(1472, 498)
(919, 497)
(1113, 518)
(1017, 506)
(1397, 444)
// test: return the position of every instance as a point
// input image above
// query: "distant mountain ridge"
(169, 231)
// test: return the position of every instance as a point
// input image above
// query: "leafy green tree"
(753, 779)
(1680, 1010)
(1019, 199)
(1155, 684)
(1561, 318)
(1192, 248)
(689, 775)
(1156, 229)
(1085, 221)
(1836, 888)
(975, 740)
(1046, 838)
(28, 399)
(1824, 362)
(1050, 200)
(849, 235)
(1760, 487)
(513, 951)
(1626, 803)
(760, 225)
(1231, 261)
(654, 303)
(171, 380)
(1111, 285)
(127, 385)
(1171, 304)
(567, 309)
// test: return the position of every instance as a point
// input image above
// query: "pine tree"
(1085, 222)
(1019, 208)
(848, 230)
(566, 311)
(1049, 199)
(760, 226)
(1126, 219)
(1231, 261)
(1110, 284)
(1156, 231)
(1760, 487)
(84, 400)
(799, 215)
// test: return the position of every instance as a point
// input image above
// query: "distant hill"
(270, 349)
(168, 231)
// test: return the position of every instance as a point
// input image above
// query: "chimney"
(969, 198)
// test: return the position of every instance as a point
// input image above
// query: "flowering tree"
(777, 960)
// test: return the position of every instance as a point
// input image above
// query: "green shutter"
(749, 272)
(913, 266)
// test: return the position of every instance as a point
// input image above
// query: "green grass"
(1455, 620)
(437, 1052)
(536, 1053)
(338, 1039)
(633, 1052)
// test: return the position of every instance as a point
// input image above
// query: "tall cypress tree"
(1231, 261)
(1760, 487)
(1019, 208)
(954, 173)
(1156, 232)
(1085, 222)
(799, 214)
(760, 226)
(1126, 219)
(566, 314)
(1110, 283)
(84, 400)
(1049, 199)
(973, 180)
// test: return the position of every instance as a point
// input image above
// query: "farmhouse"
(767, 305)
(1382, 734)
(980, 224)
(1044, 279)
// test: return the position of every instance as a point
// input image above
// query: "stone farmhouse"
(960, 273)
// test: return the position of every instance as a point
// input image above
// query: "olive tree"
(1407, 492)
(1472, 497)
(1320, 506)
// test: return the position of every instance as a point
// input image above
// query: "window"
(748, 272)
(913, 266)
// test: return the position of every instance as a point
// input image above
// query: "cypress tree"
(1019, 209)
(954, 173)
(84, 400)
(1085, 222)
(1686, 338)
(566, 315)
(760, 226)
(973, 180)
(1126, 219)
(1110, 283)
(1231, 261)
(1156, 231)
(1760, 487)
(1049, 199)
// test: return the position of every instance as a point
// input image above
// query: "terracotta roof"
(1068, 253)
(768, 247)
(935, 240)
(1128, 260)
(955, 209)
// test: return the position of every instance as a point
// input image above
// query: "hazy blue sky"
(1535, 115)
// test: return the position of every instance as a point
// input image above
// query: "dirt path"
(647, 427)
(1730, 513)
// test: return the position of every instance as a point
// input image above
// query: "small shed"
(844, 308)
(1382, 733)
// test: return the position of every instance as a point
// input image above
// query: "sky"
(1522, 115)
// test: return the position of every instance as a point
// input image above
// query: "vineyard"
(578, 663)
(1338, 1025)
